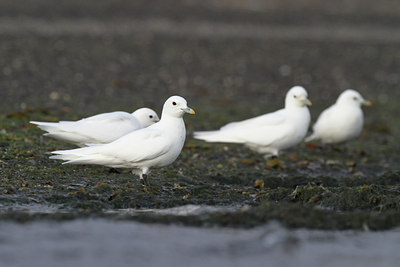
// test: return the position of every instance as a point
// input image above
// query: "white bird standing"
(342, 121)
(99, 129)
(155, 146)
(269, 133)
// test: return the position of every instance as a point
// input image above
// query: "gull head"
(297, 96)
(146, 116)
(176, 106)
(352, 97)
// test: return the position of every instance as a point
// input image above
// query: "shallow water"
(121, 243)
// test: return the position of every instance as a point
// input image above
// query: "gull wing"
(142, 145)
(101, 128)
(262, 130)
(273, 118)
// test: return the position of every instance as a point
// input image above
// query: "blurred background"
(240, 57)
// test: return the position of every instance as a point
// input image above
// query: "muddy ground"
(231, 61)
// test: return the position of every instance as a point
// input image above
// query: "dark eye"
(295, 96)
(355, 98)
(151, 116)
(174, 103)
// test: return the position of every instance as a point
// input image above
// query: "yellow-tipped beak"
(189, 110)
(309, 103)
(368, 103)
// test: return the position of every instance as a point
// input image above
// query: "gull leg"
(270, 155)
(113, 170)
(143, 179)
(142, 175)
(274, 162)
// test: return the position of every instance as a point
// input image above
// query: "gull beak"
(189, 110)
(309, 103)
(367, 103)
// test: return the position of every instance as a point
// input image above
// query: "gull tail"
(85, 155)
(47, 126)
(62, 131)
(71, 154)
(311, 137)
(72, 138)
(216, 136)
(56, 127)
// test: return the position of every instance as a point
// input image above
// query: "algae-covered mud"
(352, 186)
(64, 70)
